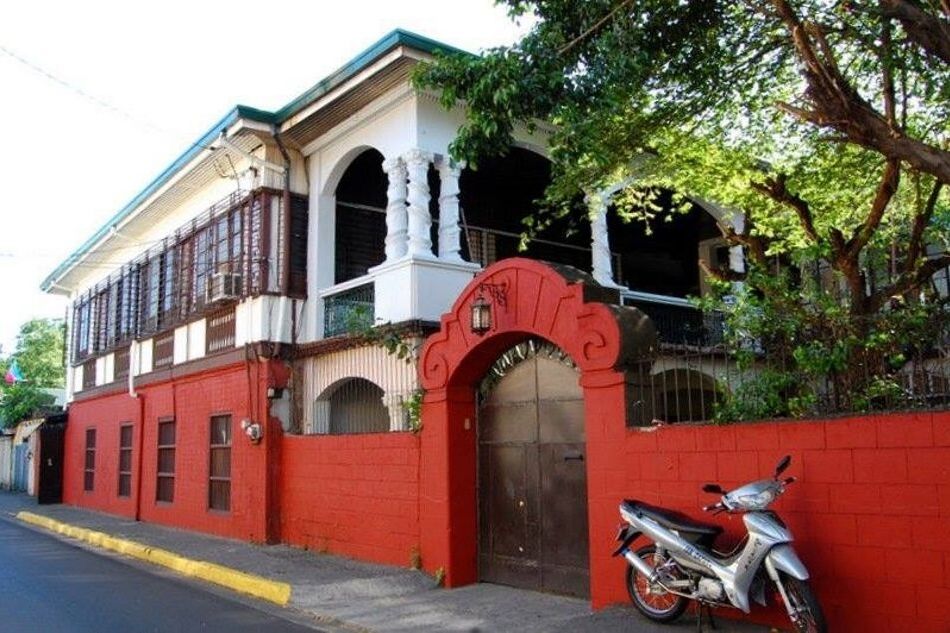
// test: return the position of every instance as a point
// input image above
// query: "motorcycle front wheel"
(652, 600)
(811, 619)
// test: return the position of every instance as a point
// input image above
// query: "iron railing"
(677, 321)
(349, 310)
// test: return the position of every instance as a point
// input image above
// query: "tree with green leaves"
(39, 357)
(822, 124)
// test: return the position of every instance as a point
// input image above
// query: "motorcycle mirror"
(782, 465)
(716, 488)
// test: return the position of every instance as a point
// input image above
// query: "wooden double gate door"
(532, 474)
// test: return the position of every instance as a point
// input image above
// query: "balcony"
(677, 321)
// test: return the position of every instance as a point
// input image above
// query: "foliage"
(39, 355)
(413, 407)
(816, 131)
(398, 342)
(391, 338)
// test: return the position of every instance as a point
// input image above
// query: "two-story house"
(215, 381)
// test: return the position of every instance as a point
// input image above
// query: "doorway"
(532, 473)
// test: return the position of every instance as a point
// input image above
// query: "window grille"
(122, 364)
(163, 350)
(349, 310)
(220, 331)
(125, 460)
(165, 484)
(89, 471)
(89, 374)
(219, 487)
(168, 284)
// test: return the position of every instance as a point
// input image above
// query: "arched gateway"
(528, 300)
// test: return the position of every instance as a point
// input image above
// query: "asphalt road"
(50, 585)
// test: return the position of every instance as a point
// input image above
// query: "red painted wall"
(355, 495)
(870, 511)
(191, 400)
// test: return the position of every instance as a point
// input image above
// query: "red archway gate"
(570, 310)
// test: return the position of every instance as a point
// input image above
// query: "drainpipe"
(285, 236)
(133, 362)
(285, 227)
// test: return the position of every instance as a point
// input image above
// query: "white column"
(396, 218)
(420, 221)
(449, 245)
(602, 264)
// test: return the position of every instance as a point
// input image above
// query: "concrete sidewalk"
(367, 597)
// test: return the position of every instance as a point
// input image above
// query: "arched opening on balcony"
(360, 216)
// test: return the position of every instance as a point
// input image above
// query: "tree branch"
(836, 104)
(593, 29)
(921, 220)
(925, 30)
(887, 76)
(885, 191)
(721, 274)
(909, 281)
(776, 189)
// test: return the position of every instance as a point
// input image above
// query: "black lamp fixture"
(482, 308)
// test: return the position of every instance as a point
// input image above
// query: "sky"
(97, 98)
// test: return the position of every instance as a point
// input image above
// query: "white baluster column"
(449, 245)
(602, 263)
(396, 214)
(420, 220)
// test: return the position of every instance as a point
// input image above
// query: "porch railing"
(677, 321)
(349, 309)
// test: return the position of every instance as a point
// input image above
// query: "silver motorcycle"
(683, 564)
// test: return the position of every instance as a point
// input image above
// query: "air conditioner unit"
(224, 287)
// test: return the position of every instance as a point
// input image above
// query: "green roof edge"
(391, 40)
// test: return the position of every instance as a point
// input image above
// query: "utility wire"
(96, 100)
(79, 91)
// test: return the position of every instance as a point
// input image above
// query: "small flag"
(13, 373)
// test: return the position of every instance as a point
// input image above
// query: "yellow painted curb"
(257, 586)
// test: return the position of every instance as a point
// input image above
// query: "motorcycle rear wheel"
(803, 600)
(651, 600)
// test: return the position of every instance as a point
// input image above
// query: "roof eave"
(235, 115)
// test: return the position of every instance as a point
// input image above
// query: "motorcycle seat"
(672, 519)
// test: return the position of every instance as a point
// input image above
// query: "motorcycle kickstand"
(709, 616)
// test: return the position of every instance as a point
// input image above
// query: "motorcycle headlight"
(758, 501)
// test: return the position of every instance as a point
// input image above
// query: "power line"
(96, 100)
(79, 91)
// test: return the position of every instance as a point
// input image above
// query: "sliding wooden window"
(167, 285)
(165, 485)
(89, 470)
(125, 460)
(219, 489)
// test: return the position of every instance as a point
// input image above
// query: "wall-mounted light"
(253, 430)
(482, 308)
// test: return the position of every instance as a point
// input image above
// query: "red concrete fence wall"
(355, 495)
(870, 511)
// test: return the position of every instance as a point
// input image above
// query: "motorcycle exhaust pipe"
(639, 564)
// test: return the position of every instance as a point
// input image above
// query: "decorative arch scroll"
(557, 303)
